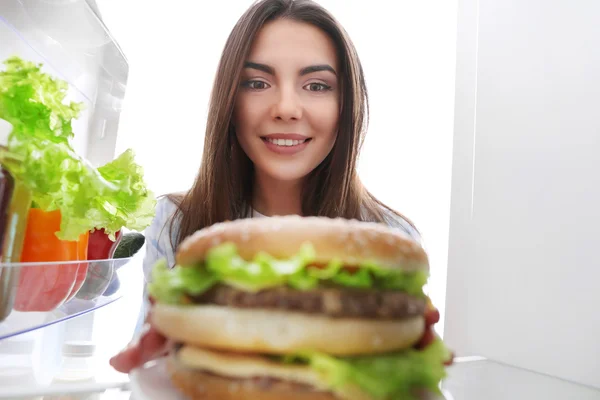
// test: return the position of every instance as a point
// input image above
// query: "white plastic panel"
(69, 38)
(523, 263)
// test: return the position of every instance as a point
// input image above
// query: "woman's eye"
(255, 85)
(317, 87)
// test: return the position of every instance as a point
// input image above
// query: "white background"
(408, 53)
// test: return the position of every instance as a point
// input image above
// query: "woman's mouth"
(286, 145)
(286, 142)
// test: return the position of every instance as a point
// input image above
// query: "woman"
(286, 122)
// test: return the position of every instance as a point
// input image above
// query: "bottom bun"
(207, 374)
(200, 385)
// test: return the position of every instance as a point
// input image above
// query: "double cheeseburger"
(299, 308)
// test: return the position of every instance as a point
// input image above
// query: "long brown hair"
(223, 187)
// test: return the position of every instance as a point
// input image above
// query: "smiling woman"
(287, 111)
(286, 122)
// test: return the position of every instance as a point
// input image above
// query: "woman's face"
(287, 109)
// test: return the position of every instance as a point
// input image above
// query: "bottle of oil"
(15, 201)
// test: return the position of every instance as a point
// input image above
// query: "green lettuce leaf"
(35, 101)
(41, 156)
(169, 286)
(386, 377)
(224, 264)
(134, 204)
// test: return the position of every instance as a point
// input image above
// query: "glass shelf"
(35, 295)
(486, 379)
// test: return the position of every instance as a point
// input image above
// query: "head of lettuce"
(111, 197)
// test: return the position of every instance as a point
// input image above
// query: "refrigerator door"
(71, 41)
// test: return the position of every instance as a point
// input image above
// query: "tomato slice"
(44, 287)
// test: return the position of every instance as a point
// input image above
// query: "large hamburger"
(299, 308)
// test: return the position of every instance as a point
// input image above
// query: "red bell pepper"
(99, 273)
(47, 285)
(100, 247)
(82, 267)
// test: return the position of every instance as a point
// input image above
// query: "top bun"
(350, 241)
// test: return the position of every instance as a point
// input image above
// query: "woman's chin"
(285, 172)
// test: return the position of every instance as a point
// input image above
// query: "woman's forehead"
(285, 42)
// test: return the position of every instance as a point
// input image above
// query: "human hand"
(149, 346)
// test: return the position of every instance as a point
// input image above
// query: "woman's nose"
(288, 105)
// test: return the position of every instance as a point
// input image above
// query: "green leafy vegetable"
(110, 197)
(224, 264)
(35, 101)
(168, 286)
(134, 205)
(388, 376)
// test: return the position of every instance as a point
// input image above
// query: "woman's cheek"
(325, 118)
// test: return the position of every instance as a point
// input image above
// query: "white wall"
(523, 262)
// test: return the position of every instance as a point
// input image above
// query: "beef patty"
(333, 302)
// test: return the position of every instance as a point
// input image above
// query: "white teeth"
(286, 142)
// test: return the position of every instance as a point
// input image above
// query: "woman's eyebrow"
(304, 71)
(260, 67)
(317, 68)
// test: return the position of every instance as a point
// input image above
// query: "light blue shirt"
(158, 240)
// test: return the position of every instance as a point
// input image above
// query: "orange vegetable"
(44, 287)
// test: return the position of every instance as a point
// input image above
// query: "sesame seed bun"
(349, 241)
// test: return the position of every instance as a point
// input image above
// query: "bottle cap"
(78, 349)
(5, 131)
